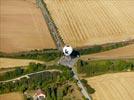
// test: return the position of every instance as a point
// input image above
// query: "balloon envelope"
(67, 50)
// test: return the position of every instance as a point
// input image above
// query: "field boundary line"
(50, 23)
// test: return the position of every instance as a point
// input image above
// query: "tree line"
(43, 55)
(19, 71)
(33, 67)
(52, 54)
(103, 47)
(92, 68)
(53, 83)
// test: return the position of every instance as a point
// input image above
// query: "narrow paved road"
(67, 61)
(28, 75)
(83, 89)
(64, 61)
(51, 26)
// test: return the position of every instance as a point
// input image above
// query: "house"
(39, 95)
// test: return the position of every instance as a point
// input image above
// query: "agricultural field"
(123, 52)
(89, 22)
(12, 96)
(10, 63)
(118, 86)
(22, 27)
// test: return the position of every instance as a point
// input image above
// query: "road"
(28, 75)
(67, 61)
(83, 89)
(59, 43)
(51, 26)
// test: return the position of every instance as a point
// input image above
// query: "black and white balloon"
(67, 50)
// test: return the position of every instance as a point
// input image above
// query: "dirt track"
(22, 27)
(118, 86)
(123, 52)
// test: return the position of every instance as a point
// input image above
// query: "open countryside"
(88, 22)
(79, 49)
(118, 86)
(22, 27)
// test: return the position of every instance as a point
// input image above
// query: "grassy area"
(55, 83)
(104, 47)
(97, 67)
(33, 67)
(18, 71)
(90, 90)
(42, 55)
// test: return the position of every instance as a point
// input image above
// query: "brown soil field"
(12, 96)
(10, 63)
(22, 27)
(123, 52)
(88, 22)
(117, 86)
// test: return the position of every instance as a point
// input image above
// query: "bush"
(90, 90)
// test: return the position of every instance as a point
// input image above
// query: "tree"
(59, 94)
(18, 71)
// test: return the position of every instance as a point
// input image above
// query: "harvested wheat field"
(10, 62)
(22, 27)
(123, 52)
(89, 22)
(12, 96)
(117, 86)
